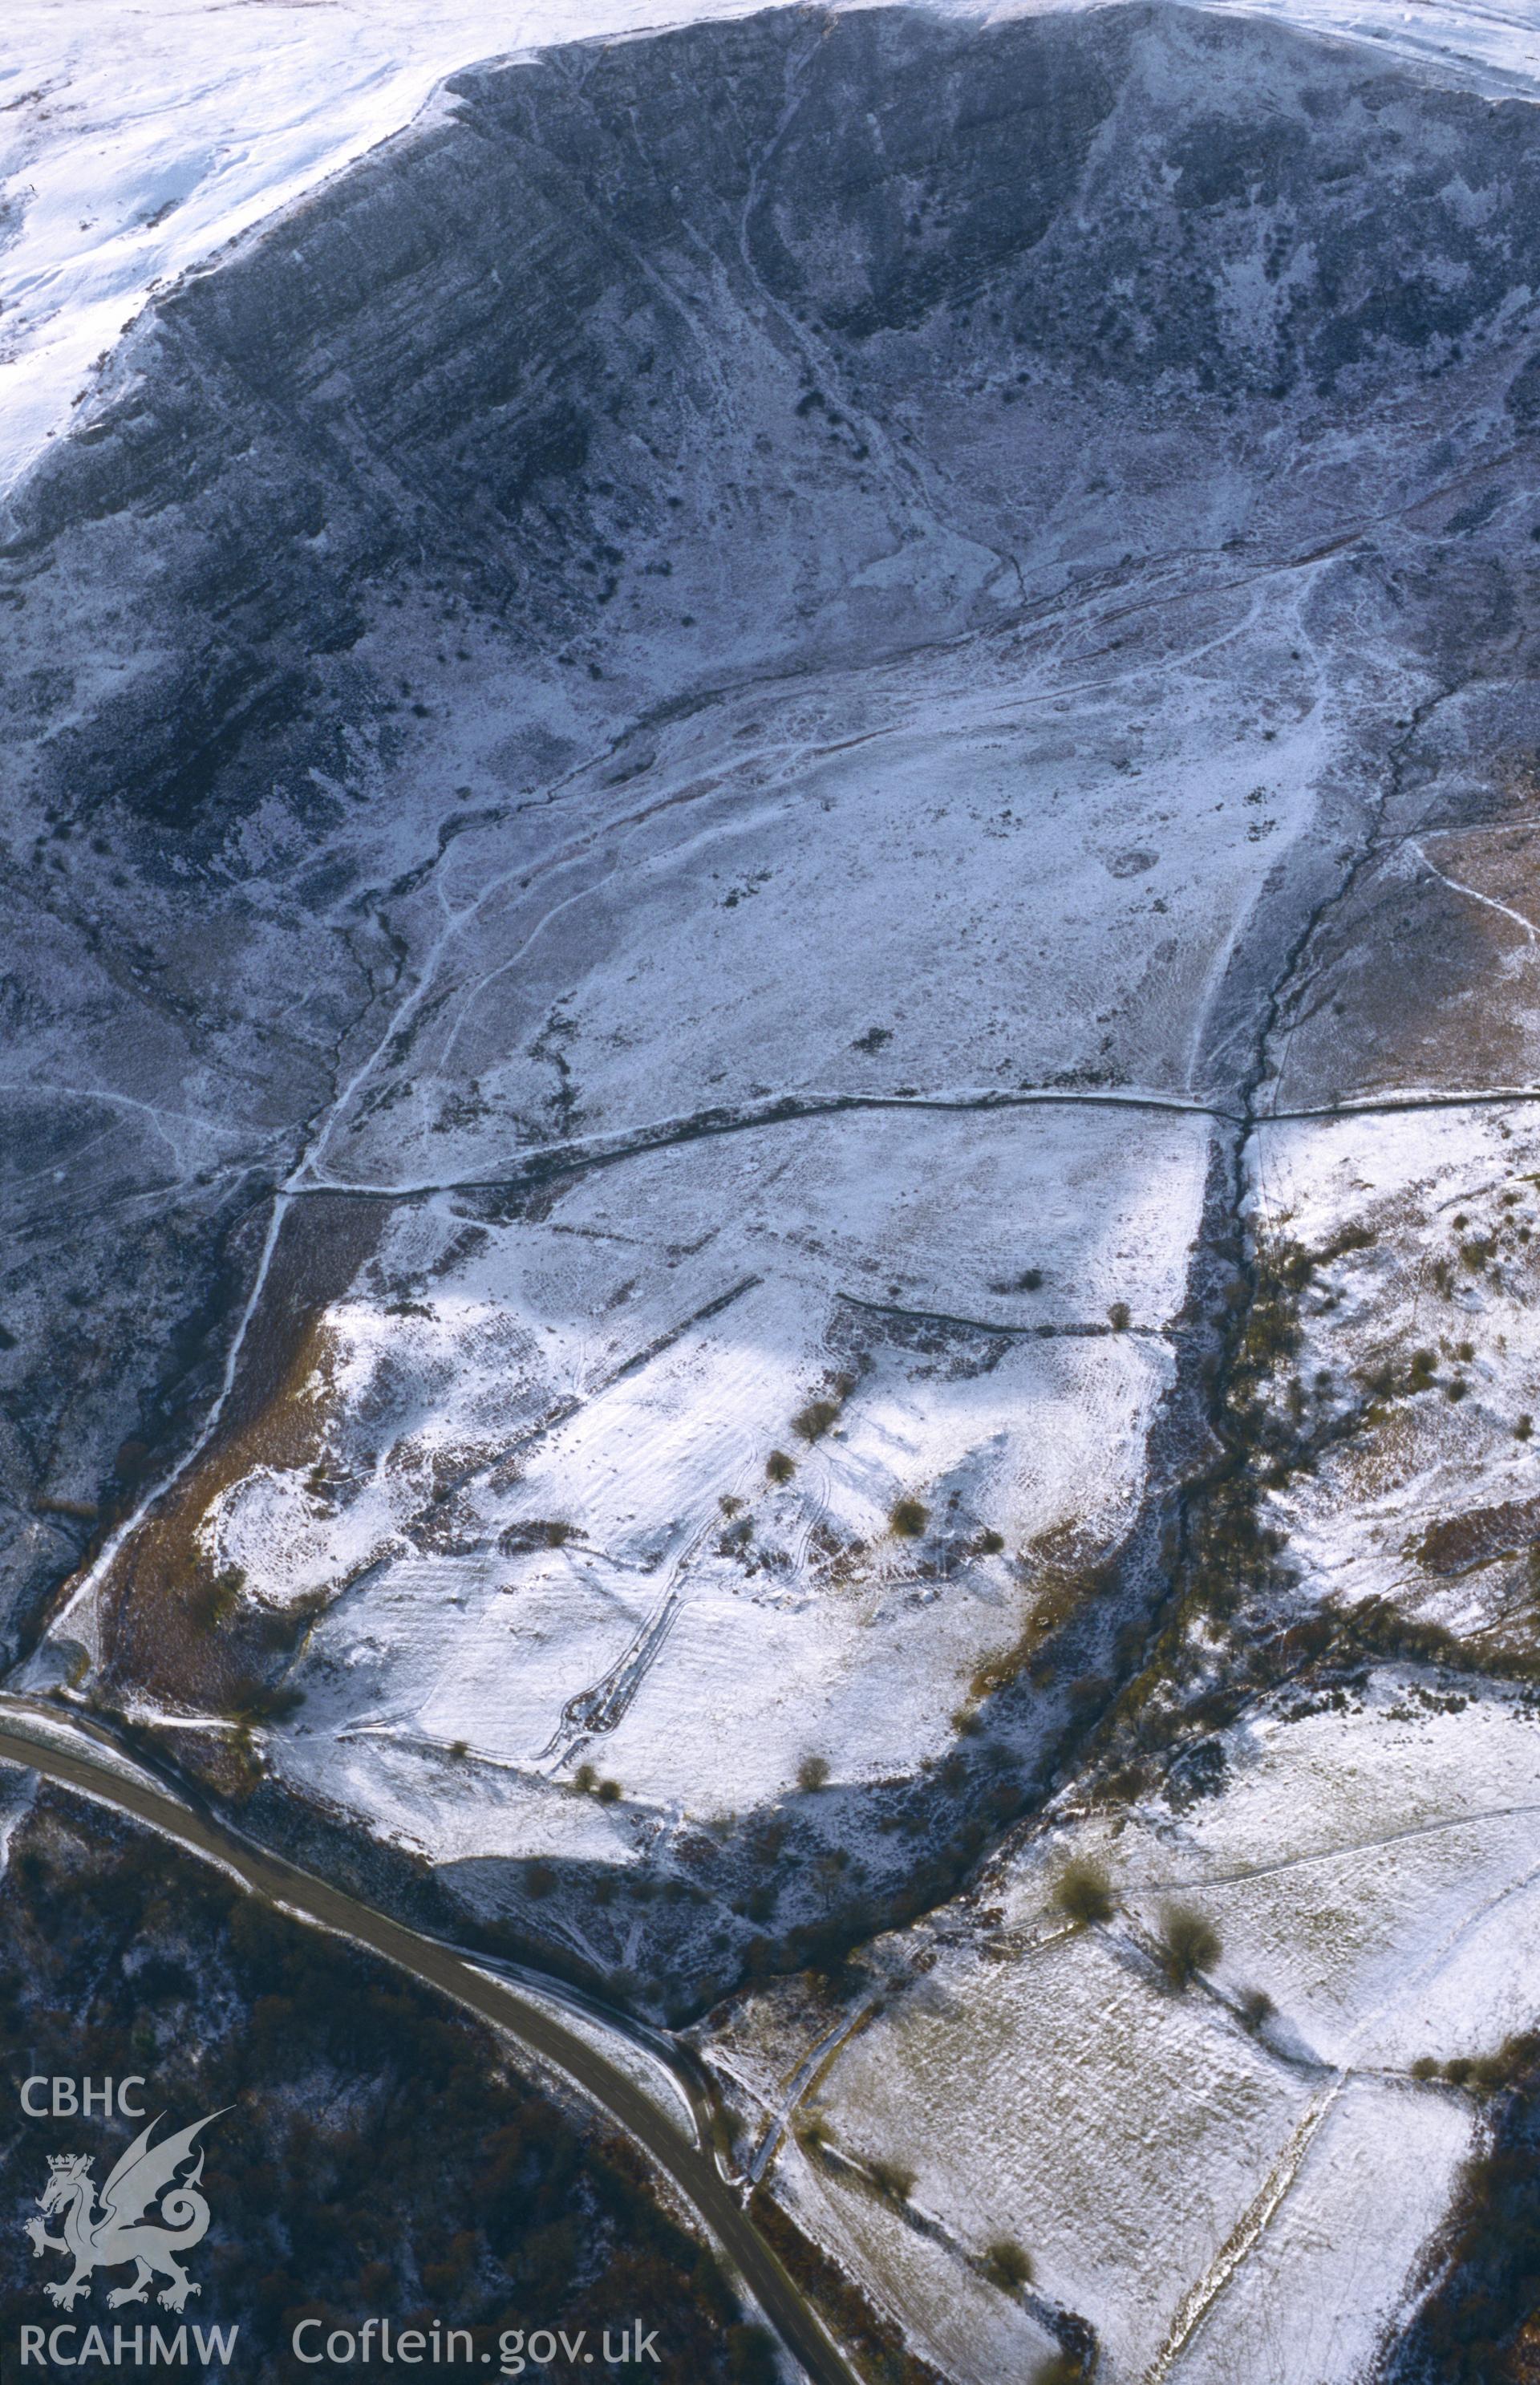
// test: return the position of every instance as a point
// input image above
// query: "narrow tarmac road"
(88, 1769)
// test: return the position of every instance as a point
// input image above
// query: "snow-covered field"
(1219, 2200)
(623, 1368)
(1430, 1501)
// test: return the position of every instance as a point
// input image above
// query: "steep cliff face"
(733, 319)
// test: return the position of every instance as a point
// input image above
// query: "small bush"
(610, 1793)
(779, 1468)
(1257, 2009)
(813, 2130)
(818, 1418)
(585, 1781)
(909, 1520)
(1082, 1892)
(1424, 2066)
(1189, 1943)
(989, 1544)
(893, 2179)
(1007, 2265)
(459, 1749)
(812, 1772)
(1120, 1317)
(1458, 2071)
(1523, 1429)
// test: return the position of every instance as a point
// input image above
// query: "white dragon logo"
(119, 2233)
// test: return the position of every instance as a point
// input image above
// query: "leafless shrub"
(1189, 1943)
(1082, 1892)
(1007, 2265)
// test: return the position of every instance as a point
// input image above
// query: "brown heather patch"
(1058, 1594)
(1458, 1543)
(155, 1636)
(275, 1416)
(1066, 1548)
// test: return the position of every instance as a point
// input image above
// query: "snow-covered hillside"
(138, 143)
(770, 1078)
